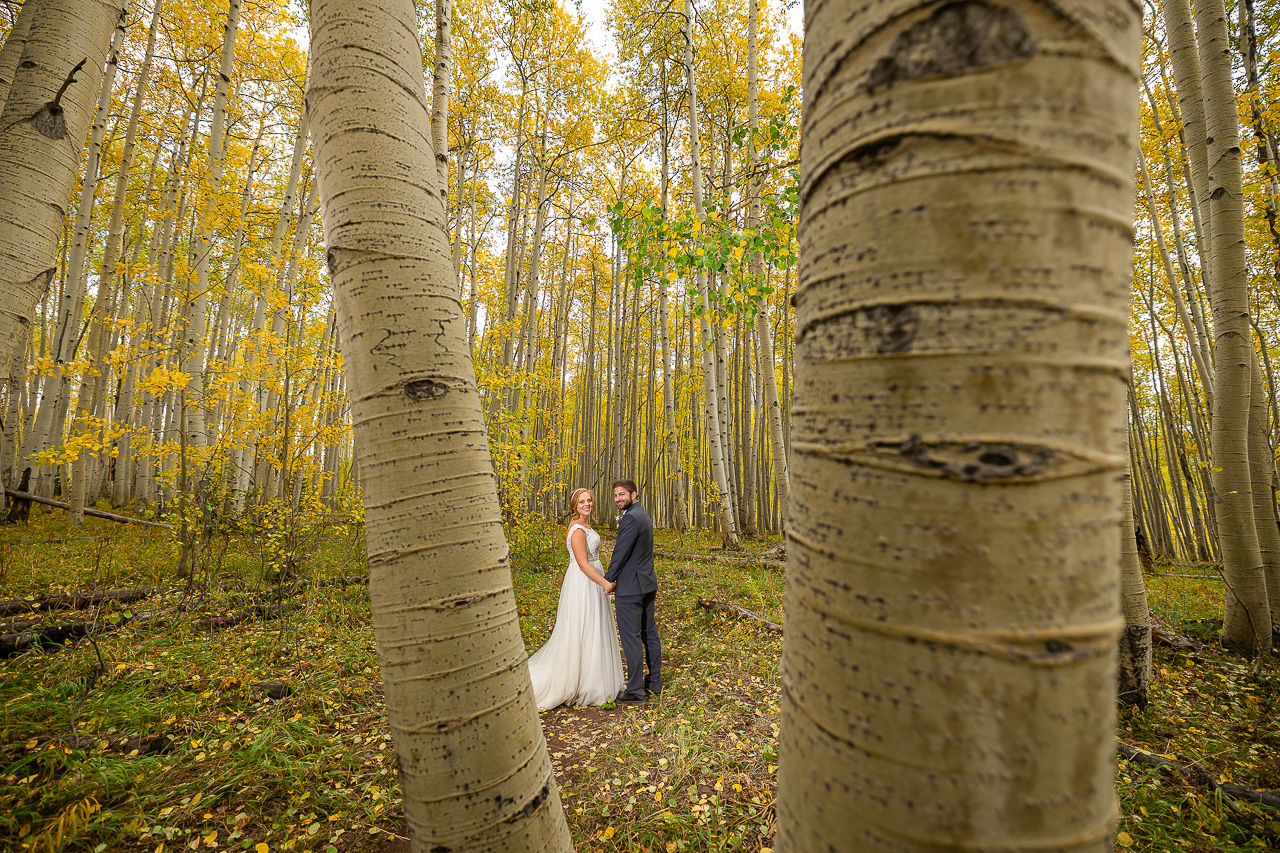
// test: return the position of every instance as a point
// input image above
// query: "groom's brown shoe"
(624, 698)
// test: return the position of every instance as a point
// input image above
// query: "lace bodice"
(593, 543)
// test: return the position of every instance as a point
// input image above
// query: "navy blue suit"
(631, 568)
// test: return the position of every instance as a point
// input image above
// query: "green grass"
(174, 746)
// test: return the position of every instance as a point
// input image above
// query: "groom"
(631, 568)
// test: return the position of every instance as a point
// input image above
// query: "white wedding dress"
(580, 663)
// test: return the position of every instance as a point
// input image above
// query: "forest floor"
(164, 735)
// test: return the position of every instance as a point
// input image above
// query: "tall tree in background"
(1247, 620)
(473, 762)
(948, 671)
(714, 416)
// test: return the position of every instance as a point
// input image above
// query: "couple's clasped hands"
(609, 587)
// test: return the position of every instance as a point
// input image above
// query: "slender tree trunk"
(1262, 472)
(440, 74)
(474, 767)
(193, 350)
(728, 525)
(764, 338)
(1247, 623)
(948, 669)
(1134, 671)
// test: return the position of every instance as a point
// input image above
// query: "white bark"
(948, 670)
(474, 766)
(715, 449)
(42, 132)
(198, 301)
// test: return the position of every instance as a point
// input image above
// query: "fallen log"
(735, 559)
(56, 635)
(230, 620)
(52, 635)
(1199, 776)
(96, 513)
(73, 600)
(1162, 633)
(771, 627)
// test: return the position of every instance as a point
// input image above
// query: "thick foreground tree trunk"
(42, 131)
(949, 662)
(473, 762)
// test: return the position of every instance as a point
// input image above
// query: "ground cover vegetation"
(272, 732)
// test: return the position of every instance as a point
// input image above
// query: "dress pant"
(638, 632)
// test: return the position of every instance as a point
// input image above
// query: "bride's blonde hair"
(573, 501)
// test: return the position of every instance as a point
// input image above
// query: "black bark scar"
(958, 38)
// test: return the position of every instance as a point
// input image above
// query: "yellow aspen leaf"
(211, 837)
(608, 833)
(1124, 839)
(657, 796)
(261, 847)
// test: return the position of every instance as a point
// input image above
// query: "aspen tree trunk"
(1189, 279)
(42, 131)
(111, 252)
(728, 525)
(1265, 141)
(1188, 325)
(102, 306)
(720, 285)
(764, 337)
(9, 433)
(1247, 621)
(440, 98)
(948, 670)
(56, 396)
(14, 43)
(193, 350)
(152, 407)
(244, 458)
(1133, 673)
(510, 278)
(1262, 477)
(217, 357)
(678, 513)
(474, 766)
(282, 330)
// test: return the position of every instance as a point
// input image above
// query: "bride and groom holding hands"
(580, 664)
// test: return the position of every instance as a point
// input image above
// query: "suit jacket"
(631, 564)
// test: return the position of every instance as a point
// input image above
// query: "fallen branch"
(96, 513)
(1191, 577)
(1198, 775)
(73, 600)
(771, 627)
(1162, 633)
(736, 559)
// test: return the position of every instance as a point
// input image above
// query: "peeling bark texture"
(37, 170)
(958, 427)
(474, 766)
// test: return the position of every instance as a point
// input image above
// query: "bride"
(580, 663)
